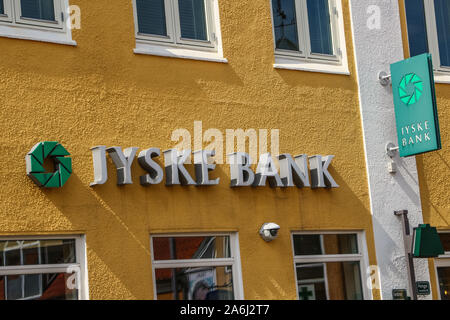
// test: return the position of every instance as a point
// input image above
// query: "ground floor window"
(442, 265)
(329, 266)
(42, 268)
(196, 267)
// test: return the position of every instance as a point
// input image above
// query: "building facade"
(107, 110)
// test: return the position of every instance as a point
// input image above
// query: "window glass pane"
(209, 283)
(342, 281)
(170, 248)
(52, 286)
(14, 287)
(35, 252)
(38, 9)
(151, 17)
(32, 284)
(30, 253)
(2, 8)
(12, 257)
(417, 27)
(445, 240)
(58, 251)
(444, 282)
(193, 19)
(308, 244)
(285, 25)
(442, 8)
(319, 26)
(315, 244)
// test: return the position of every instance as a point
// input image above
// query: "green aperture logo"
(410, 89)
(35, 161)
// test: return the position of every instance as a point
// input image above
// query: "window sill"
(174, 52)
(36, 34)
(442, 77)
(301, 65)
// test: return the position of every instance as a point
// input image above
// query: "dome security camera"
(269, 231)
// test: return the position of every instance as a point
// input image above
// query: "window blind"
(38, 9)
(417, 27)
(442, 8)
(319, 26)
(151, 17)
(193, 19)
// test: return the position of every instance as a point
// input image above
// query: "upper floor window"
(189, 25)
(309, 31)
(41, 20)
(428, 24)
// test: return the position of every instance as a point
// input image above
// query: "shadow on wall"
(117, 221)
(429, 208)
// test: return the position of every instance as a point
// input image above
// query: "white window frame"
(304, 60)
(441, 73)
(441, 261)
(22, 277)
(79, 267)
(361, 257)
(13, 25)
(58, 23)
(173, 45)
(234, 261)
(7, 15)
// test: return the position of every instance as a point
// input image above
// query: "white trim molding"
(442, 77)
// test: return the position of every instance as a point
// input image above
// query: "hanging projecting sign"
(415, 106)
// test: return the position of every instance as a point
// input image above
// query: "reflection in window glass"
(193, 19)
(444, 282)
(36, 252)
(417, 27)
(52, 286)
(38, 9)
(12, 258)
(320, 27)
(442, 8)
(170, 248)
(151, 16)
(285, 24)
(315, 244)
(202, 283)
(329, 280)
(445, 240)
(308, 244)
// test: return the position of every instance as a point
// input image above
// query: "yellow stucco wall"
(101, 93)
(434, 167)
